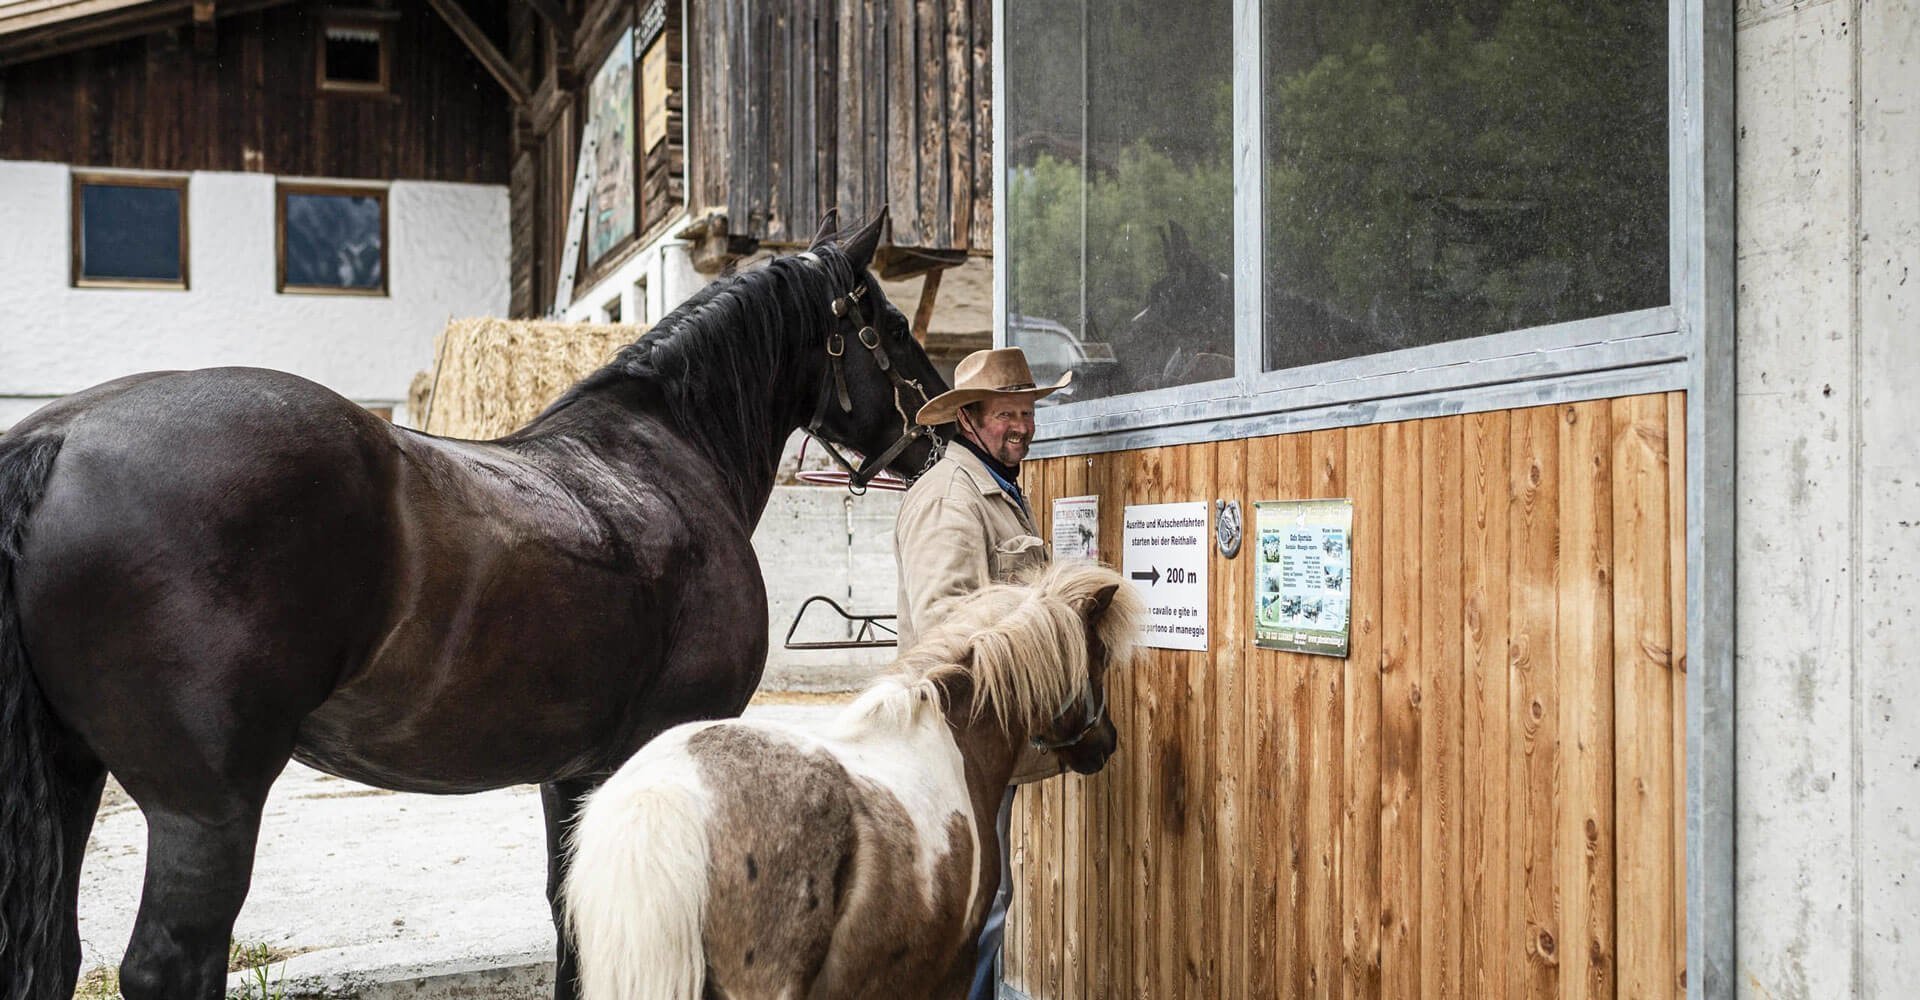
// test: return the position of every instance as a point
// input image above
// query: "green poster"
(1302, 575)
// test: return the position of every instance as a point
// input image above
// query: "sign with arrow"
(1164, 549)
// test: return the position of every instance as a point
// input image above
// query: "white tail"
(637, 890)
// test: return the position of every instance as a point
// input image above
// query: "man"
(965, 524)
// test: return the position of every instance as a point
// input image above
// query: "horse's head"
(1184, 333)
(876, 376)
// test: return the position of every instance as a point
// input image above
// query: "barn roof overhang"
(36, 29)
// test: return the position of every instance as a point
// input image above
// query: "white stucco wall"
(1828, 579)
(448, 257)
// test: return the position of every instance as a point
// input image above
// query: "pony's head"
(876, 375)
(1035, 657)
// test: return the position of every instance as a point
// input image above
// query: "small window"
(613, 310)
(354, 56)
(333, 239)
(129, 231)
(640, 302)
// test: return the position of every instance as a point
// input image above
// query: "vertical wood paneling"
(1439, 695)
(1677, 620)
(1484, 799)
(1642, 685)
(1295, 699)
(1533, 768)
(1226, 976)
(1586, 703)
(1260, 851)
(1400, 680)
(1360, 830)
(1326, 713)
(1485, 949)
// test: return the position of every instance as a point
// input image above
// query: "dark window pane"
(1044, 163)
(333, 241)
(1444, 169)
(129, 232)
(1134, 215)
(352, 55)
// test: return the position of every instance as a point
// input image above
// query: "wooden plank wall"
(800, 106)
(150, 103)
(1484, 800)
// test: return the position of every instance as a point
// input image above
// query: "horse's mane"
(1023, 645)
(720, 357)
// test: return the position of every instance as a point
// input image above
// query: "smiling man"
(965, 524)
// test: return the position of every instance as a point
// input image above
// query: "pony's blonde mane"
(1023, 645)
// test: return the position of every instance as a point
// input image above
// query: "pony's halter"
(836, 384)
(1096, 714)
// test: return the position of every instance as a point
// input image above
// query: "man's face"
(1002, 425)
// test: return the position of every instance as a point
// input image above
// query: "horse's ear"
(1100, 601)
(860, 246)
(829, 224)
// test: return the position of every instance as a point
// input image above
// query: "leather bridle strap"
(835, 386)
(1095, 716)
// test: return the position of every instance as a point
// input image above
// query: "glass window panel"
(334, 241)
(1442, 169)
(352, 55)
(1044, 160)
(130, 232)
(1160, 190)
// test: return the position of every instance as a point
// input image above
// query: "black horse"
(205, 573)
(1184, 334)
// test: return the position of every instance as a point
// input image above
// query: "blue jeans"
(986, 969)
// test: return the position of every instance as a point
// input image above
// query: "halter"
(1095, 716)
(836, 385)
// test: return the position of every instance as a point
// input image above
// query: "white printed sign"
(1164, 556)
(1076, 528)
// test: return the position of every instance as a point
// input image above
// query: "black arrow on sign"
(1151, 578)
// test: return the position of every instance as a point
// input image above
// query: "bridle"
(835, 385)
(1096, 714)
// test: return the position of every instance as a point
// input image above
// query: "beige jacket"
(957, 531)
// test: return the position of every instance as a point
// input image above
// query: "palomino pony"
(205, 573)
(757, 861)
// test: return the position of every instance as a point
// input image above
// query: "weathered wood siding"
(1486, 799)
(800, 106)
(253, 105)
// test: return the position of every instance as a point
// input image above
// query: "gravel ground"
(352, 879)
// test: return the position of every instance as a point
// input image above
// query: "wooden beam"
(554, 12)
(929, 294)
(482, 48)
(204, 41)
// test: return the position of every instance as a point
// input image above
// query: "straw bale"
(491, 376)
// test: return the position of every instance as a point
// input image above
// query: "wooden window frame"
(77, 229)
(349, 88)
(280, 193)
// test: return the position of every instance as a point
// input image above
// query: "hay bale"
(491, 376)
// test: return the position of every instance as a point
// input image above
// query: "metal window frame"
(1686, 345)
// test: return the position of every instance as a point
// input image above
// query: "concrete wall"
(818, 540)
(1828, 779)
(447, 258)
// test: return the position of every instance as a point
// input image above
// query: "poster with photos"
(1076, 528)
(611, 218)
(1303, 580)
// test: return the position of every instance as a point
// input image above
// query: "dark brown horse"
(205, 573)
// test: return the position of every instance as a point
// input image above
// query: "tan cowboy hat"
(998, 372)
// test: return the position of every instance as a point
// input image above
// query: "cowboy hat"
(998, 372)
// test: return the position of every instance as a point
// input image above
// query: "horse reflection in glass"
(757, 861)
(205, 573)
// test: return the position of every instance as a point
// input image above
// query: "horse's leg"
(561, 801)
(198, 868)
(77, 780)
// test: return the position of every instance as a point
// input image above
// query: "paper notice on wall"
(1164, 556)
(1302, 576)
(1076, 528)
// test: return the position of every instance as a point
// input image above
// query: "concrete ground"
(374, 893)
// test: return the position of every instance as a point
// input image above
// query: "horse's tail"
(31, 929)
(636, 890)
